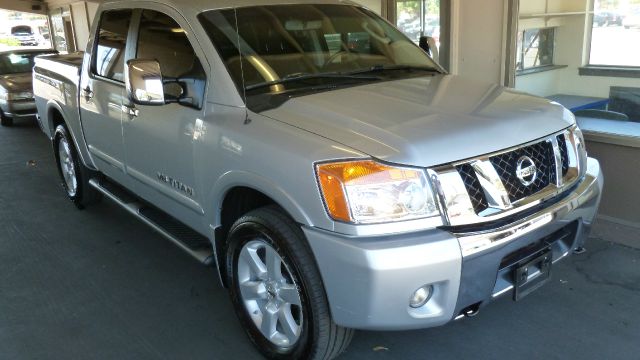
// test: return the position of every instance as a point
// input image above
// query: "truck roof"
(202, 5)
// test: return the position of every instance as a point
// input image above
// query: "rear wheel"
(4, 120)
(277, 290)
(75, 176)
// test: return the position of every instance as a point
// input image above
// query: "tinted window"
(162, 39)
(266, 43)
(110, 50)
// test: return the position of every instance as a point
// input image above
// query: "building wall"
(80, 24)
(374, 5)
(478, 42)
(92, 8)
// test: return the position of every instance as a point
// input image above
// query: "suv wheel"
(5, 121)
(277, 290)
(75, 176)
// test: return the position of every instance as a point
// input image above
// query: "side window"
(108, 59)
(161, 38)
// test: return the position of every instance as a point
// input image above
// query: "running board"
(181, 235)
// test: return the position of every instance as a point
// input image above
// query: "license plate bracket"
(531, 274)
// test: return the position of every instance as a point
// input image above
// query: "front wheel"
(75, 176)
(277, 290)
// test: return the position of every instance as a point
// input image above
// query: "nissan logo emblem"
(526, 171)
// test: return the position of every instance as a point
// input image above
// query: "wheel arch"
(238, 193)
(56, 115)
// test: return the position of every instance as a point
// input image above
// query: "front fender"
(268, 187)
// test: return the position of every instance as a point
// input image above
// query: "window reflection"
(161, 38)
(109, 59)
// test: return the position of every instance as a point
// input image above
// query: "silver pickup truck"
(334, 175)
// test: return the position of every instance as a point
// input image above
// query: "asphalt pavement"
(98, 284)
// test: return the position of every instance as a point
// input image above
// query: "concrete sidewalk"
(98, 284)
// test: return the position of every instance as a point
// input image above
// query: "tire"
(267, 233)
(74, 175)
(5, 121)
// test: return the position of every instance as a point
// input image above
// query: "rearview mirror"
(428, 44)
(143, 80)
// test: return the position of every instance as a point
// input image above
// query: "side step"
(178, 233)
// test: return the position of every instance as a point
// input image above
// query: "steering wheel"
(333, 57)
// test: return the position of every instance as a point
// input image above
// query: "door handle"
(131, 111)
(87, 93)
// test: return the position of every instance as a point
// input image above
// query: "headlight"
(14, 96)
(365, 192)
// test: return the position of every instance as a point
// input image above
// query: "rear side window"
(108, 59)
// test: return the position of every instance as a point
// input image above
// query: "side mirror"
(428, 44)
(143, 80)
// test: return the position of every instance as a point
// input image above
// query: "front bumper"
(369, 280)
(19, 108)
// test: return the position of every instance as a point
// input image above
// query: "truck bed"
(66, 65)
(56, 80)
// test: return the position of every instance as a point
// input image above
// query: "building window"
(535, 48)
(417, 18)
(112, 37)
(615, 34)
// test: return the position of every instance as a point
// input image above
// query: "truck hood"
(425, 121)
(16, 82)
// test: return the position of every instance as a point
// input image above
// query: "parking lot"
(97, 284)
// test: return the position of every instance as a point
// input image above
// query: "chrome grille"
(562, 144)
(471, 183)
(491, 187)
(542, 156)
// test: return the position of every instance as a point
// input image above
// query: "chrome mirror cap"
(143, 80)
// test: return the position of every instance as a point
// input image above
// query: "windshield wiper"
(381, 68)
(307, 76)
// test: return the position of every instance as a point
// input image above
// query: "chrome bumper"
(369, 280)
(19, 109)
(591, 186)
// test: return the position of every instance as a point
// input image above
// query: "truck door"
(159, 139)
(102, 92)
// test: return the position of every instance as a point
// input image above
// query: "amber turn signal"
(335, 177)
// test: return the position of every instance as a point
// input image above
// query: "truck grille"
(562, 144)
(505, 166)
(473, 186)
(542, 156)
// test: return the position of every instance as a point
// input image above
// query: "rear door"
(102, 93)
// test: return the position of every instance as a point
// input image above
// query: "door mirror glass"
(143, 80)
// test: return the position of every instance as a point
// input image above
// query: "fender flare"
(53, 105)
(241, 178)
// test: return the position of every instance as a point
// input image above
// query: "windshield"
(14, 63)
(279, 43)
